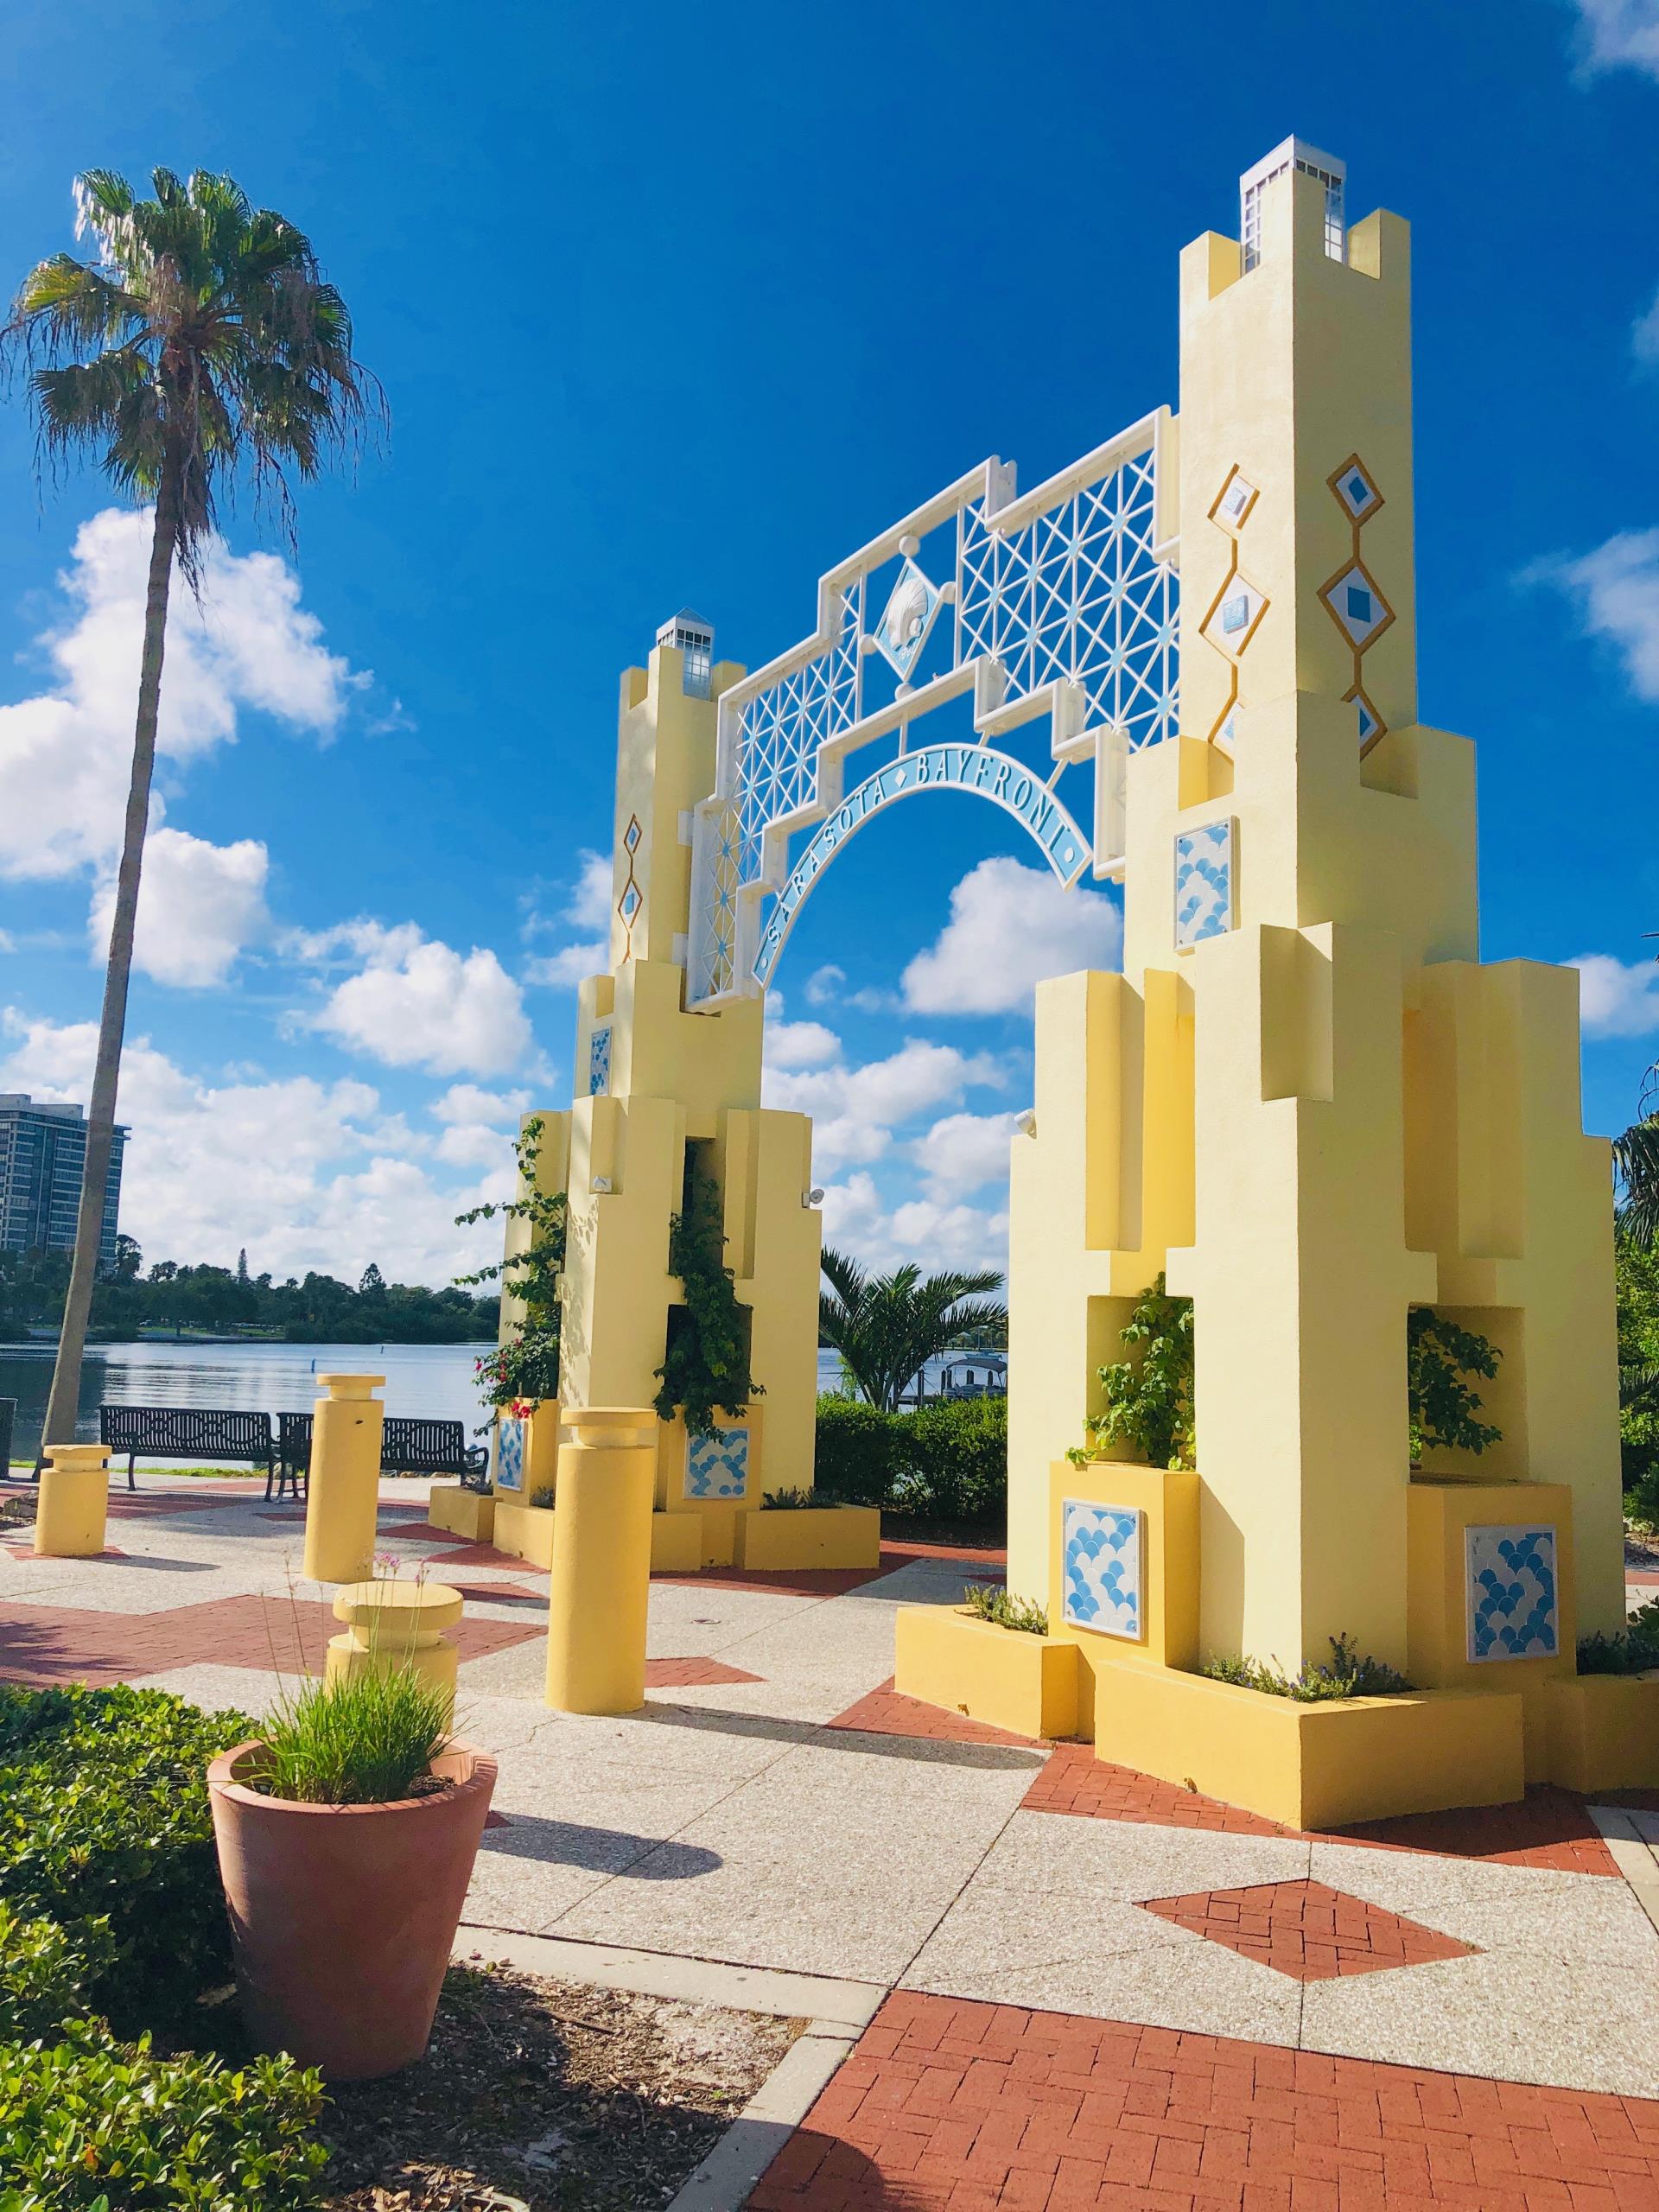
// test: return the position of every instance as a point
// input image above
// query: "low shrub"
(542, 1496)
(946, 1461)
(365, 1739)
(105, 1818)
(993, 1603)
(1633, 1651)
(89, 2125)
(795, 1501)
(857, 1452)
(1346, 1674)
(46, 1973)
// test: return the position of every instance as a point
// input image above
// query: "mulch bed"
(551, 2094)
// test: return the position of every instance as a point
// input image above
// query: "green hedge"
(105, 1829)
(947, 1461)
(89, 2125)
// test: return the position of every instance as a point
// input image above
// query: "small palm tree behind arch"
(199, 345)
(887, 1327)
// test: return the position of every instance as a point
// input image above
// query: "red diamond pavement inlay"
(1307, 1929)
(976, 2108)
(693, 1674)
(888, 1712)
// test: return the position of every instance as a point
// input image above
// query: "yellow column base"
(75, 1502)
(599, 1589)
(394, 1624)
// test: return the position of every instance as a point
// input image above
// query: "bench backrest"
(410, 1445)
(185, 1431)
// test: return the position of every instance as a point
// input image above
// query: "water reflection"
(435, 1380)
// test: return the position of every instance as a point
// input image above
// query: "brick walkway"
(1550, 1829)
(1307, 1929)
(986, 2107)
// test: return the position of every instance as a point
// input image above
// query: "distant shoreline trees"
(129, 1303)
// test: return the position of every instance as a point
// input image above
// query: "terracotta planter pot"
(343, 1916)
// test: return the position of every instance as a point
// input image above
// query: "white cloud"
(1620, 34)
(586, 909)
(199, 904)
(855, 1109)
(824, 984)
(1617, 591)
(305, 1174)
(963, 1153)
(65, 753)
(1616, 1001)
(480, 1125)
(1009, 927)
(466, 1102)
(933, 1234)
(1644, 336)
(417, 1003)
(791, 1045)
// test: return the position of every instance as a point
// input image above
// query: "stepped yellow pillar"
(74, 1501)
(600, 1586)
(343, 1491)
(394, 1624)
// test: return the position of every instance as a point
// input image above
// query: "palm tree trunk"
(63, 1403)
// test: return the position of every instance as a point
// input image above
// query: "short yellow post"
(601, 1587)
(343, 1492)
(74, 1499)
(396, 1624)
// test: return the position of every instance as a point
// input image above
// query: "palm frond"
(887, 1327)
(1635, 1164)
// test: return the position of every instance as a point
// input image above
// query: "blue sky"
(683, 306)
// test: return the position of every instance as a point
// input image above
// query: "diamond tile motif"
(1367, 721)
(632, 834)
(1231, 622)
(1307, 1929)
(1512, 1595)
(509, 1453)
(717, 1465)
(599, 1060)
(906, 619)
(1355, 490)
(1237, 498)
(1360, 610)
(1204, 884)
(1101, 1546)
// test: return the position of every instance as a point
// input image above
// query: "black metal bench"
(189, 1433)
(409, 1446)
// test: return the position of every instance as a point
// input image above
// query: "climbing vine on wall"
(526, 1366)
(1149, 1399)
(705, 1366)
(1442, 1406)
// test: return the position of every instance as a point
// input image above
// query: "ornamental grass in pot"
(347, 1835)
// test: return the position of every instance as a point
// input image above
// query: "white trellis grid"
(1064, 600)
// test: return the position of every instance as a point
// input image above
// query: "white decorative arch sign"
(1007, 783)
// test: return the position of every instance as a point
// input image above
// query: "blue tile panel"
(509, 1453)
(1204, 883)
(1101, 1547)
(1512, 1595)
(717, 1465)
(599, 1060)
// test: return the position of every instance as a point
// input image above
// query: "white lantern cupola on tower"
(1293, 153)
(691, 635)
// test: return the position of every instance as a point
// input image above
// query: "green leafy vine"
(525, 1368)
(705, 1366)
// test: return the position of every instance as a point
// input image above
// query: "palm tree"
(887, 1327)
(1636, 1161)
(201, 342)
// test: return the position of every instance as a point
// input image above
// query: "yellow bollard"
(601, 1587)
(343, 1493)
(396, 1624)
(74, 1500)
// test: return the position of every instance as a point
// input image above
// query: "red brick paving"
(42, 1644)
(1307, 1929)
(1549, 1828)
(977, 2107)
(887, 1712)
(693, 1674)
